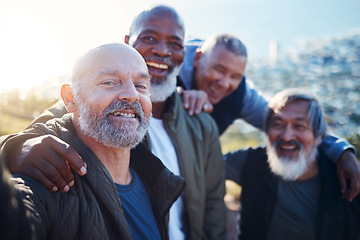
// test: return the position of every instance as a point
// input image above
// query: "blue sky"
(40, 39)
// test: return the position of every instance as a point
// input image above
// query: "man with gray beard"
(290, 189)
(127, 191)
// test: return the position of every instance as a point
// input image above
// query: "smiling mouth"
(288, 147)
(157, 65)
(127, 115)
(214, 90)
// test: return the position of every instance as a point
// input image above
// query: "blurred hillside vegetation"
(17, 110)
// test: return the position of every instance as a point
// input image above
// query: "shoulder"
(204, 122)
(256, 158)
(60, 127)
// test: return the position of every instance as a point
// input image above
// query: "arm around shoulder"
(254, 106)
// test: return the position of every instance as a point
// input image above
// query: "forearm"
(235, 162)
(333, 147)
(11, 146)
(254, 107)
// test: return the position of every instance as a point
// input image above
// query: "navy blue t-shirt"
(138, 209)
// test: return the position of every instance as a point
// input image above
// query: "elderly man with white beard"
(127, 191)
(289, 188)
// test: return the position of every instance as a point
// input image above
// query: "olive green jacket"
(201, 163)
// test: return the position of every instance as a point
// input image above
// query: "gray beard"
(101, 129)
(286, 167)
(161, 91)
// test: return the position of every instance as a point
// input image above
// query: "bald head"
(157, 33)
(115, 52)
(152, 12)
(109, 96)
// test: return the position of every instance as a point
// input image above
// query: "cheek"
(310, 141)
(179, 57)
(273, 135)
(141, 48)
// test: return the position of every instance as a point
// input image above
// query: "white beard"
(287, 167)
(161, 91)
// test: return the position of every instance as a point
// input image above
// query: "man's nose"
(224, 82)
(162, 49)
(128, 92)
(288, 134)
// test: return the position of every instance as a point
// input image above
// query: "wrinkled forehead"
(109, 58)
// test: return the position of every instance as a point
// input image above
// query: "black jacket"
(336, 218)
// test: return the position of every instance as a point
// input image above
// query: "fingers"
(179, 90)
(208, 107)
(195, 101)
(200, 101)
(56, 170)
(71, 157)
(48, 159)
(40, 177)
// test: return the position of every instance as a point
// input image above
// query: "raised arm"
(254, 106)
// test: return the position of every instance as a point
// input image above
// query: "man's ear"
(126, 39)
(197, 58)
(68, 98)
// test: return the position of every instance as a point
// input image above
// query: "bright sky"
(40, 39)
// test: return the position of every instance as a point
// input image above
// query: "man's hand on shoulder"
(195, 101)
(48, 159)
(348, 169)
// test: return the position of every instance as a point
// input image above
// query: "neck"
(312, 171)
(115, 160)
(158, 108)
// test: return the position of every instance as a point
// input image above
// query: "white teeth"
(288, 147)
(157, 65)
(129, 115)
(214, 90)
